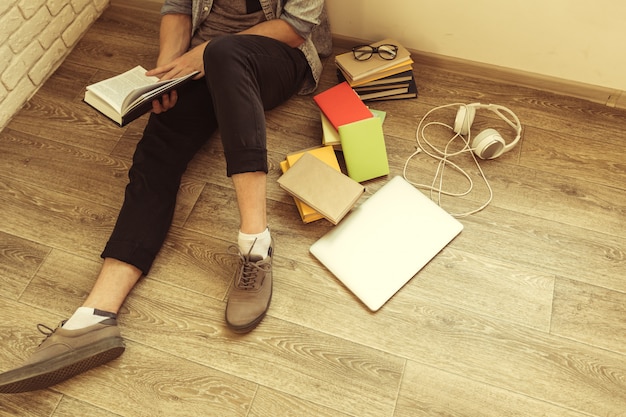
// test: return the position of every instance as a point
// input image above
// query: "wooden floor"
(523, 314)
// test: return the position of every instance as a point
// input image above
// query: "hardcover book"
(341, 105)
(402, 77)
(364, 151)
(129, 95)
(324, 153)
(330, 135)
(400, 69)
(411, 93)
(328, 191)
(356, 70)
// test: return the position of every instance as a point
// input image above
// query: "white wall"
(575, 40)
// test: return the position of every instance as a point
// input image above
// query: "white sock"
(260, 243)
(85, 317)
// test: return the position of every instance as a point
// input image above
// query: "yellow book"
(406, 66)
(324, 153)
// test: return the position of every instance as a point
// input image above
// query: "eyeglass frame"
(376, 50)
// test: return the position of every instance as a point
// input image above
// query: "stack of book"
(375, 78)
(358, 129)
(319, 188)
(313, 177)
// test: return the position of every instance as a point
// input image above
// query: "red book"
(341, 105)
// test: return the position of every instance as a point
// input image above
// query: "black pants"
(244, 76)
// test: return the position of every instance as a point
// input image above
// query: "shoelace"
(46, 331)
(251, 269)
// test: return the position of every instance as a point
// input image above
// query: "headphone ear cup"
(464, 119)
(488, 144)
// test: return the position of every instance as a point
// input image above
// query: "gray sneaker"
(64, 354)
(251, 292)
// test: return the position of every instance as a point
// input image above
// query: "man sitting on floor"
(252, 55)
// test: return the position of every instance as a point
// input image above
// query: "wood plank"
(487, 286)
(569, 155)
(70, 407)
(559, 198)
(71, 123)
(53, 219)
(590, 314)
(427, 391)
(533, 107)
(73, 278)
(62, 168)
(488, 351)
(146, 381)
(191, 326)
(19, 261)
(103, 52)
(324, 370)
(274, 403)
(546, 246)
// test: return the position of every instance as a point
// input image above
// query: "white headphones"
(488, 144)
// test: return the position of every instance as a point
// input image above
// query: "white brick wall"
(35, 37)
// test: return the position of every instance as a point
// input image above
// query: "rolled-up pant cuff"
(130, 253)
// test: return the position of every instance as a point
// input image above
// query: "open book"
(127, 96)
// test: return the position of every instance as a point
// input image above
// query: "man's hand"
(165, 102)
(185, 64)
(191, 61)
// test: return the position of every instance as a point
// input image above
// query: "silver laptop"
(384, 242)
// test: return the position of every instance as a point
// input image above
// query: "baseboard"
(597, 94)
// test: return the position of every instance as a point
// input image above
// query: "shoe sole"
(45, 374)
(247, 328)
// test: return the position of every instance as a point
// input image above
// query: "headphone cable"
(443, 158)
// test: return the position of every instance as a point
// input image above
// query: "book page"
(148, 93)
(115, 90)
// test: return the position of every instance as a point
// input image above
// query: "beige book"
(330, 192)
(375, 66)
(324, 153)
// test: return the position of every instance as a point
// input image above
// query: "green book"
(364, 151)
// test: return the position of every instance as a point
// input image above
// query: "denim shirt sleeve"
(177, 7)
(302, 15)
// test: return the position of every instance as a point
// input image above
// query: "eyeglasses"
(365, 52)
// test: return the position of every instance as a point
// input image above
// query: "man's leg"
(114, 283)
(170, 141)
(251, 198)
(91, 336)
(254, 74)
